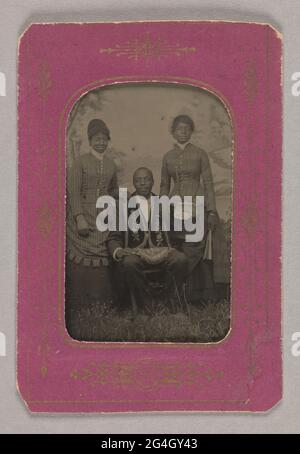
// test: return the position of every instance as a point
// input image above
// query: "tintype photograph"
(149, 222)
(129, 144)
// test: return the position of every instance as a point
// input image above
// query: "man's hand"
(82, 226)
(212, 220)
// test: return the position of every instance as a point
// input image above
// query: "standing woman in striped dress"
(92, 175)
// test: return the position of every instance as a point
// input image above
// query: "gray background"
(14, 17)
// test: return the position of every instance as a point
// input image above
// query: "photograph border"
(132, 80)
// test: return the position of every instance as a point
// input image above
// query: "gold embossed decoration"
(44, 80)
(251, 82)
(147, 47)
(146, 374)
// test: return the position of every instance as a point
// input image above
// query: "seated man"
(129, 249)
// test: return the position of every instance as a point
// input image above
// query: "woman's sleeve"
(165, 181)
(114, 186)
(74, 182)
(209, 191)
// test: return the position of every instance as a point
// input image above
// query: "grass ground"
(209, 322)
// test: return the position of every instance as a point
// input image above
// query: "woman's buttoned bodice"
(190, 172)
(88, 179)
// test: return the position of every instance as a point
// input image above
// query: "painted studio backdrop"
(139, 118)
